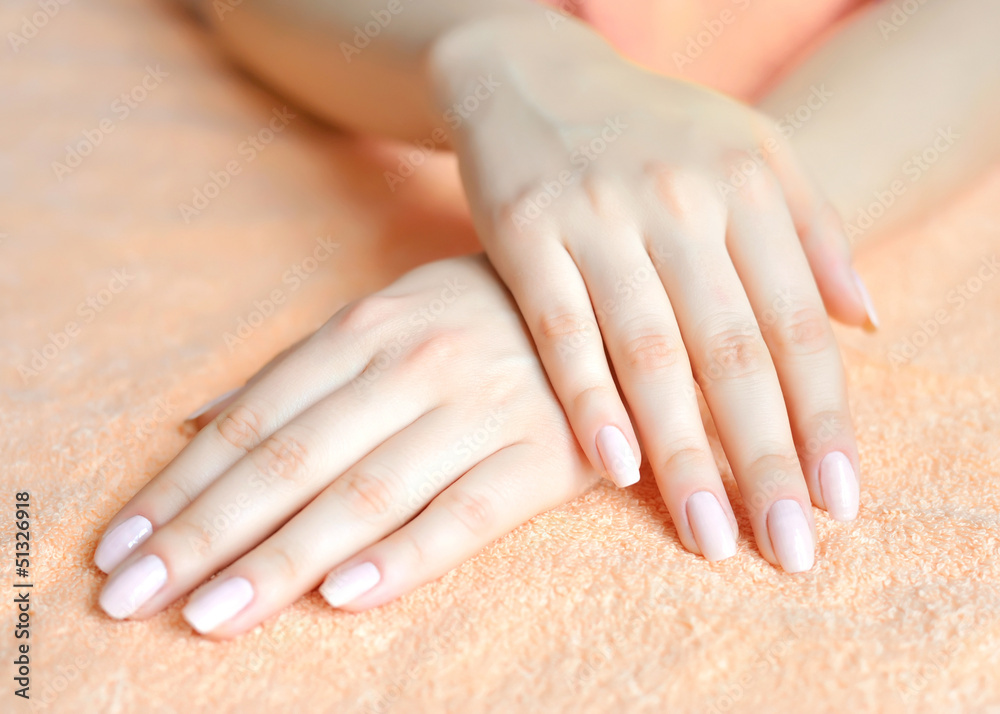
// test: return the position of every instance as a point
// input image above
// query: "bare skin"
(726, 289)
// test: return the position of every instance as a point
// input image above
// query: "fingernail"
(208, 610)
(129, 590)
(790, 536)
(342, 587)
(619, 461)
(119, 542)
(839, 486)
(866, 299)
(214, 403)
(710, 526)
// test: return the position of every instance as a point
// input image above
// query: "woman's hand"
(657, 235)
(410, 431)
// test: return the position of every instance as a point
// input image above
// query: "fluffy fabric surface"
(154, 225)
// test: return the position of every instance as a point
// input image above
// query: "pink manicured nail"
(342, 587)
(119, 542)
(619, 461)
(790, 536)
(710, 526)
(866, 299)
(214, 403)
(129, 590)
(839, 486)
(208, 610)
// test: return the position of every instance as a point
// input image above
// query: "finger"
(329, 359)
(207, 412)
(827, 248)
(495, 497)
(553, 298)
(252, 499)
(378, 495)
(789, 311)
(644, 342)
(211, 409)
(733, 367)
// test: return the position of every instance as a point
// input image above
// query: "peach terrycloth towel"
(126, 258)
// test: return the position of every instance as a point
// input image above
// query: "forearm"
(914, 108)
(362, 65)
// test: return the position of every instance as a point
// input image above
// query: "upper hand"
(657, 235)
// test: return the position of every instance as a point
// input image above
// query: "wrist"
(464, 65)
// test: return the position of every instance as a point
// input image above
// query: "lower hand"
(407, 433)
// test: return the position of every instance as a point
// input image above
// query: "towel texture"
(152, 201)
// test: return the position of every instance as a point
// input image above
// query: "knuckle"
(590, 397)
(677, 191)
(759, 189)
(283, 455)
(285, 565)
(504, 380)
(604, 196)
(364, 315)
(369, 495)
(516, 217)
(686, 457)
(503, 383)
(437, 348)
(242, 427)
(652, 353)
(776, 467)
(804, 331)
(418, 559)
(473, 510)
(823, 428)
(187, 535)
(172, 495)
(734, 352)
(561, 324)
